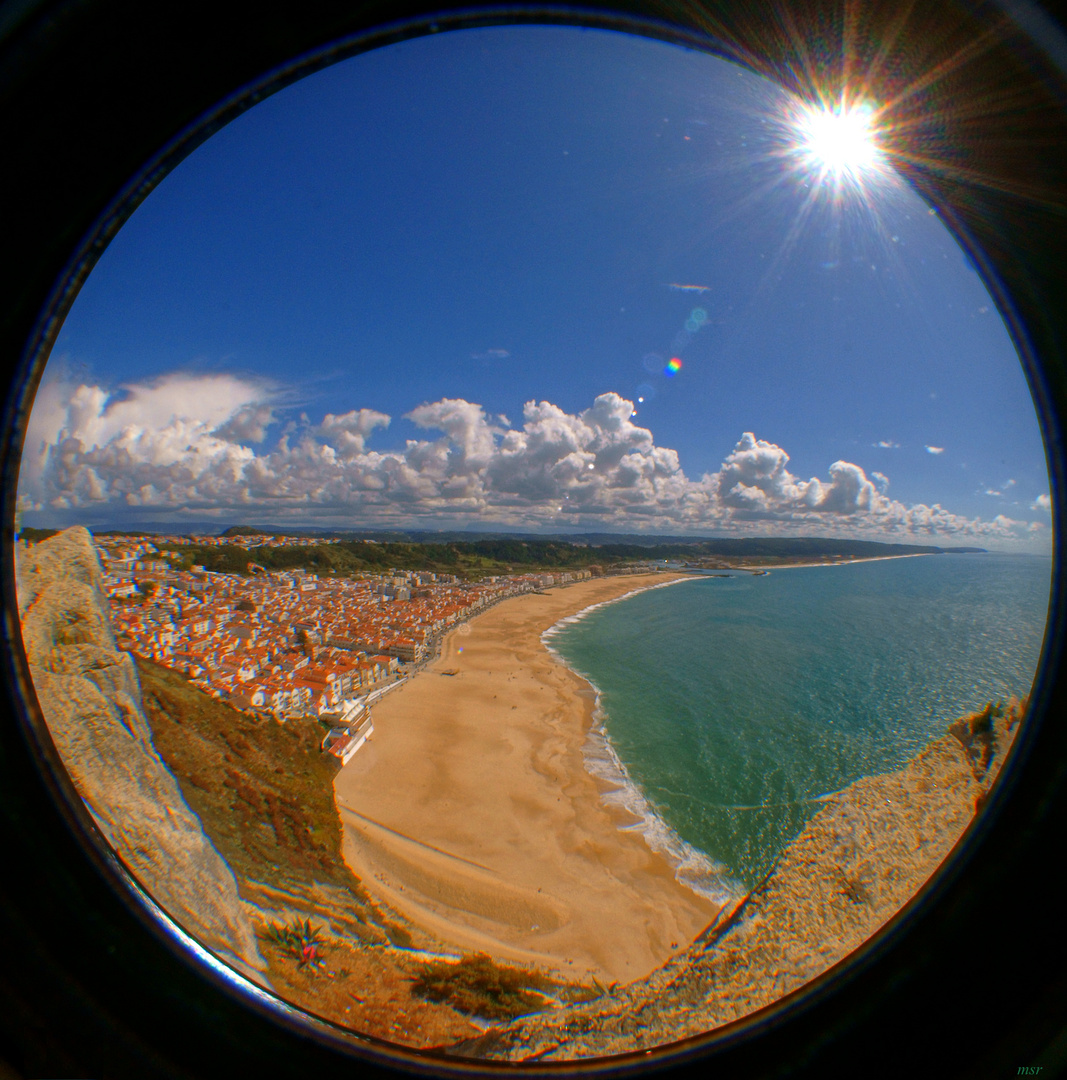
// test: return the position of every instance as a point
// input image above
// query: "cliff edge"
(91, 699)
(856, 863)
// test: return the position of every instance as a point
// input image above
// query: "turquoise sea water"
(730, 705)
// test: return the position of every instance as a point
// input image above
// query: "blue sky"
(495, 217)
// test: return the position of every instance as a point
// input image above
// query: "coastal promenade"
(471, 811)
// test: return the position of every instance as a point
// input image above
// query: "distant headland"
(476, 554)
(361, 893)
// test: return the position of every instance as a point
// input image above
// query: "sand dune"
(470, 809)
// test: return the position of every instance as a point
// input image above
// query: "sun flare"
(840, 141)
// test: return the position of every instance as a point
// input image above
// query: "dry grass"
(365, 989)
(478, 986)
(264, 793)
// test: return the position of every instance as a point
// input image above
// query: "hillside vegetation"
(502, 555)
(264, 793)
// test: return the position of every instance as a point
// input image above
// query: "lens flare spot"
(841, 140)
(699, 316)
(674, 365)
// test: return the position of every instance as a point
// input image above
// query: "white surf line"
(692, 867)
(578, 615)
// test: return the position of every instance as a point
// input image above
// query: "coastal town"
(290, 636)
(291, 643)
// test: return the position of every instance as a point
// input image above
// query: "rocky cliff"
(265, 799)
(867, 852)
(91, 699)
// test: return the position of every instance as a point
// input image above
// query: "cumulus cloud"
(146, 443)
(248, 424)
(348, 432)
(1042, 502)
(198, 443)
(935, 449)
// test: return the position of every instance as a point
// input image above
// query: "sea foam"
(692, 867)
(736, 705)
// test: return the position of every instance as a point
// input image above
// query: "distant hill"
(617, 542)
(626, 545)
(35, 536)
(503, 554)
(272, 530)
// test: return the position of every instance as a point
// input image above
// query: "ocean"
(728, 707)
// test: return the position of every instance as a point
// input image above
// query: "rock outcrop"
(858, 861)
(91, 700)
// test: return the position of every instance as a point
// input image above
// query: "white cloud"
(1042, 502)
(349, 431)
(991, 491)
(887, 444)
(491, 354)
(197, 444)
(148, 443)
(935, 449)
(248, 424)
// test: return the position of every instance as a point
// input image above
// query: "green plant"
(300, 940)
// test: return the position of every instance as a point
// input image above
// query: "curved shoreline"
(694, 868)
(473, 814)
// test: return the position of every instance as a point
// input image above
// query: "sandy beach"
(471, 812)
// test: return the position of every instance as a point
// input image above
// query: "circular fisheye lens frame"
(1048, 394)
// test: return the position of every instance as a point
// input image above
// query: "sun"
(839, 141)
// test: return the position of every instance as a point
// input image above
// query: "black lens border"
(99, 100)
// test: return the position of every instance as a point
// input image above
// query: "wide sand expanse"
(470, 809)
